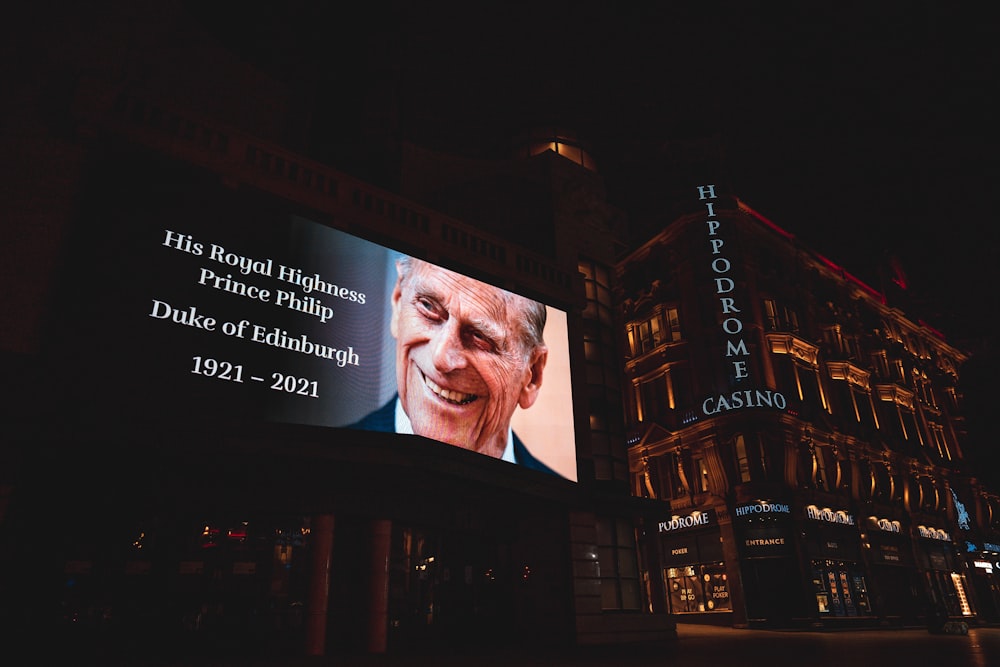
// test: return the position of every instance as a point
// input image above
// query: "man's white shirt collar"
(403, 425)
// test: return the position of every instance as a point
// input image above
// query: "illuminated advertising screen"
(215, 309)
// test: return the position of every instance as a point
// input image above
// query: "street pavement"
(707, 646)
(696, 646)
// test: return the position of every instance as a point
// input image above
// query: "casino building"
(161, 237)
(803, 433)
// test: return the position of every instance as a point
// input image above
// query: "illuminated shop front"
(976, 554)
(833, 545)
(765, 534)
(935, 553)
(694, 569)
(984, 577)
(894, 583)
(979, 538)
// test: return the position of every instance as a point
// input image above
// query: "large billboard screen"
(218, 310)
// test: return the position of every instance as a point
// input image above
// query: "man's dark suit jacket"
(384, 420)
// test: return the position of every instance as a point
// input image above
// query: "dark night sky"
(866, 129)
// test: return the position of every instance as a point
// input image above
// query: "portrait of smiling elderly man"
(467, 356)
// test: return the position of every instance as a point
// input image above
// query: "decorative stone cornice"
(786, 343)
(845, 370)
(895, 394)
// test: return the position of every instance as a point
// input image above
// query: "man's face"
(461, 363)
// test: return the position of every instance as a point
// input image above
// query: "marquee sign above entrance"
(696, 519)
(828, 515)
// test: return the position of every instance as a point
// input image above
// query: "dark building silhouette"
(159, 183)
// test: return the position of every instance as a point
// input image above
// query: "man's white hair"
(532, 314)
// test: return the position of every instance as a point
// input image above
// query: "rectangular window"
(865, 411)
(881, 363)
(701, 472)
(655, 396)
(658, 329)
(851, 347)
(698, 588)
(619, 567)
(771, 314)
(779, 317)
(598, 293)
(685, 592)
(649, 334)
(939, 440)
(673, 325)
(952, 395)
(833, 339)
(681, 386)
(930, 397)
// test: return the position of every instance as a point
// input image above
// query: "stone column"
(321, 542)
(378, 597)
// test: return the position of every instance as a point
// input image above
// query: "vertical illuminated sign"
(732, 325)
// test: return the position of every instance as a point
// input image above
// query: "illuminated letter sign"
(931, 533)
(765, 542)
(748, 398)
(762, 507)
(693, 520)
(829, 516)
(732, 326)
(886, 525)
